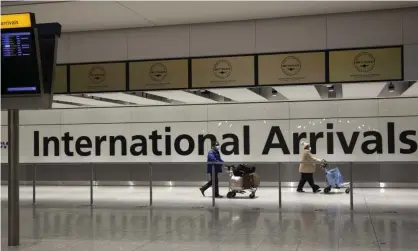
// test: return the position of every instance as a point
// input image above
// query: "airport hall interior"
(209, 126)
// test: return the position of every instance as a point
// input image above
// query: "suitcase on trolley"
(251, 180)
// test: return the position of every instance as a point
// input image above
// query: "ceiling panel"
(362, 90)
(412, 91)
(60, 105)
(201, 11)
(83, 101)
(182, 96)
(99, 15)
(83, 15)
(305, 92)
(127, 98)
(239, 94)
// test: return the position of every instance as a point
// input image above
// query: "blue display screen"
(19, 63)
(16, 44)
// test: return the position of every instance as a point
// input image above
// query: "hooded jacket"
(306, 156)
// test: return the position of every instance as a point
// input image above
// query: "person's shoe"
(317, 191)
(218, 196)
(300, 191)
(202, 191)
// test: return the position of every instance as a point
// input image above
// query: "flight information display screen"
(19, 63)
(16, 44)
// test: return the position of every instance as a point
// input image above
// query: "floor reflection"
(331, 227)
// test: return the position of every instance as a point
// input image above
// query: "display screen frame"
(367, 49)
(34, 61)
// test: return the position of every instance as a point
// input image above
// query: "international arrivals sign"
(264, 141)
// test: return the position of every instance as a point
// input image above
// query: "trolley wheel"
(252, 195)
(327, 190)
(230, 195)
(347, 190)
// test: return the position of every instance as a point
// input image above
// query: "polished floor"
(181, 219)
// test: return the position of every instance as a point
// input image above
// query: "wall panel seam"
(217, 120)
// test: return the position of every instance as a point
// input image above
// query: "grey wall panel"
(179, 172)
(4, 172)
(222, 38)
(98, 46)
(410, 26)
(364, 29)
(289, 172)
(366, 173)
(362, 173)
(411, 61)
(158, 42)
(291, 34)
(400, 173)
(48, 173)
(112, 172)
(75, 172)
(140, 172)
(25, 172)
(63, 49)
(267, 172)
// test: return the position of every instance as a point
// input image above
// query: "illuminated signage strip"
(159, 75)
(292, 68)
(12, 21)
(316, 67)
(223, 72)
(106, 77)
(362, 65)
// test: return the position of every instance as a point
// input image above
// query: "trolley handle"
(229, 167)
(324, 164)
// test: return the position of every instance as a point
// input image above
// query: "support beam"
(13, 183)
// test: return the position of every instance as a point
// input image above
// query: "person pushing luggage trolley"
(307, 168)
(213, 156)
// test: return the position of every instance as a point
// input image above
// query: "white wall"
(361, 29)
(346, 115)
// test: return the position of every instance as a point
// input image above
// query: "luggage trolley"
(236, 181)
(334, 179)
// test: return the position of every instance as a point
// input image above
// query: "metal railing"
(151, 181)
(279, 183)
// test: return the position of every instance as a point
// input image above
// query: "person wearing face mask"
(213, 156)
(307, 168)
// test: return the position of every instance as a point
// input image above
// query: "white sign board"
(358, 139)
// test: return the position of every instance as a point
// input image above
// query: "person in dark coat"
(213, 156)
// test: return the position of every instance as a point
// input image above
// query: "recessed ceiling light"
(391, 87)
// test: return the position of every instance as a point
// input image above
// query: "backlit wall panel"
(246, 136)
